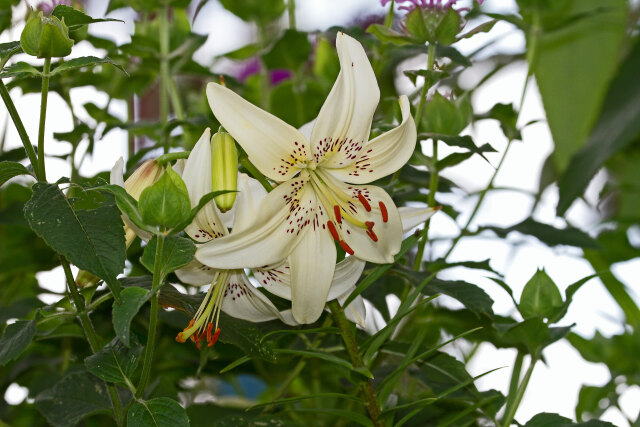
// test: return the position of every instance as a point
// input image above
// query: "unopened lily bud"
(224, 169)
(45, 37)
(146, 175)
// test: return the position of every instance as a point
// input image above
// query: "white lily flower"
(230, 291)
(317, 201)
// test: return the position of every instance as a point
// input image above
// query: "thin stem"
(24, 137)
(255, 173)
(515, 380)
(511, 411)
(153, 319)
(476, 208)
(43, 115)
(291, 10)
(89, 332)
(163, 28)
(352, 348)
(388, 19)
(433, 179)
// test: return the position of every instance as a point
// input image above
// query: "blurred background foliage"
(585, 58)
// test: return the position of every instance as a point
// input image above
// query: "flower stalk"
(43, 115)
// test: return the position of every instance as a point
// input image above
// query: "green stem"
(8, 102)
(433, 178)
(255, 173)
(43, 115)
(511, 411)
(89, 333)
(170, 157)
(163, 36)
(476, 208)
(388, 20)
(515, 380)
(352, 348)
(153, 320)
(291, 9)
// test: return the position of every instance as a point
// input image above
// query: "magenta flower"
(47, 6)
(424, 4)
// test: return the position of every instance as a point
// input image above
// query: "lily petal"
(207, 224)
(273, 146)
(243, 301)
(344, 121)
(117, 178)
(356, 311)
(312, 264)
(250, 195)
(347, 273)
(382, 155)
(412, 217)
(197, 274)
(283, 218)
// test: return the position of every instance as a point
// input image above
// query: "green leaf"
(585, 54)
(589, 400)
(82, 62)
(317, 354)
(452, 159)
(115, 363)
(176, 252)
(10, 169)
(447, 117)
(20, 70)
(431, 76)
(485, 27)
(532, 335)
(308, 396)
(73, 17)
(548, 234)
(201, 204)
(166, 203)
(461, 141)
(546, 419)
(339, 413)
(262, 11)
(617, 126)
(540, 297)
(569, 292)
(9, 48)
(45, 37)
(127, 205)
(15, 339)
(73, 398)
(291, 51)
(449, 27)
(92, 239)
(132, 299)
(158, 412)
(387, 35)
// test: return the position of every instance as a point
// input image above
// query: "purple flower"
(424, 4)
(47, 6)
(279, 75)
(252, 66)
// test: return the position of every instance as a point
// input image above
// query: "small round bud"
(45, 37)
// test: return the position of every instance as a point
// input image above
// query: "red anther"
(383, 211)
(214, 338)
(333, 231)
(372, 235)
(369, 224)
(364, 202)
(336, 210)
(346, 247)
(209, 327)
(179, 337)
(198, 344)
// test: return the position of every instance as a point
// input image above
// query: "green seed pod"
(224, 169)
(45, 37)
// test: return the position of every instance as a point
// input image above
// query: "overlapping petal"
(117, 178)
(382, 155)
(273, 146)
(344, 121)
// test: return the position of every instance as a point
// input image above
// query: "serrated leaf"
(82, 62)
(158, 412)
(132, 299)
(19, 70)
(92, 239)
(15, 339)
(115, 363)
(9, 170)
(540, 297)
(73, 398)
(176, 252)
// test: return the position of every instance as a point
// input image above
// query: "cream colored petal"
(197, 274)
(273, 146)
(312, 265)
(344, 121)
(117, 178)
(282, 219)
(413, 217)
(347, 273)
(243, 301)
(250, 195)
(382, 155)
(207, 224)
(356, 311)
(275, 278)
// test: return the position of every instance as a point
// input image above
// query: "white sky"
(553, 387)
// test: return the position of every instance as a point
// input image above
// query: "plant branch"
(163, 28)
(517, 398)
(352, 348)
(43, 115)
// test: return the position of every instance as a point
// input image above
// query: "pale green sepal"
(46, 37)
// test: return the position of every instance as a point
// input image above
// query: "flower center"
(340, 206)
(201, 325)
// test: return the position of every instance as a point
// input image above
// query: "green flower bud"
(166, 203)
(224, 169)
(45, 37)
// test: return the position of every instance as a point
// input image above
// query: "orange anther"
(383, 212)
(179, 337)
(336, 210)
(364, 202)
(209, 327)
(333, 231)
(346, 247)
(214, 338)
(372, 235)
